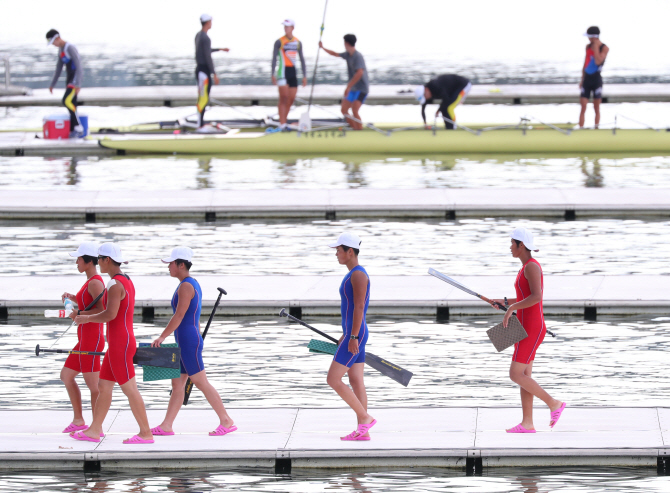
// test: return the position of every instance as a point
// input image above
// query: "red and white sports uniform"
(90, 336)
(531, 318)
(117, 365)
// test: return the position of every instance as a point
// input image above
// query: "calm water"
(615, 361)
(467, 247)
(188, 173)
(521, 480)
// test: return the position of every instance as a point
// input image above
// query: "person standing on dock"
(450, 89)
(529, 286)
(185, 323)
(117, 365)
(350, 354)
(358, 86)
(90, 337)
(68, 56)
(204, 70)
(285, 55)
(592, 81)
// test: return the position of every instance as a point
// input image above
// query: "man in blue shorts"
(358, 86)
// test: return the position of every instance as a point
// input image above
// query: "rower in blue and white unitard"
(185, 323)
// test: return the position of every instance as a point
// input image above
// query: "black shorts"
(291, 77)
(593, 84)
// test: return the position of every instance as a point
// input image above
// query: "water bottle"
(69, 307)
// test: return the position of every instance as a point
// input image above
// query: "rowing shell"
(407, 142)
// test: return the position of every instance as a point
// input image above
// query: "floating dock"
(445, 203)
(421, 294)
(325, 94)
(469, 439)
(32, 144)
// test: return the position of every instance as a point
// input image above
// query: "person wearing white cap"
(529, 286)
(117, 365)
(450, 89)
(350, 355)
(90, 336)
(285, 54)
(204, 70)
(185, 323)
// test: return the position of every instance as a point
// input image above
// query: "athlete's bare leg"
(596, 107)
(92, 379)
(67, 376)
(292, 91)
(357, 383)
(582, 114)
(284, 106)
(102, 406)
(334, 379)
(176, 401)
(346, 106)
(213, 397)
(137, 407)
(527, 402)
(354, 109)
(520, 374)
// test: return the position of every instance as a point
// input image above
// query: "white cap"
(288, 22)
(182, 253)
(522, 234)
(112, 251)
(205, 18)
(346, 239)
(419, 93)
(52, 39)
(89, 248)
(591, 35)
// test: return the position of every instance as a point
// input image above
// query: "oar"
(163, 357)
(458, 285)
(318, 51)
(386, 368)
(91, 305)
(189, 384)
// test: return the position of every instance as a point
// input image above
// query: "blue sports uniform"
(187, 334)
(342, 355)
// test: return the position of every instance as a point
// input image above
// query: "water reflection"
(204, 172)
(593, 172)
(503, 480)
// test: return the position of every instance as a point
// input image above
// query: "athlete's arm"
(359, 282)
(357, 76)
(114, 296)
(586, 59)
(534, 276)
(207, 50)
(186, 294)
(330, 52)
(275, 54)
(54, 80)
(600, 56)
(302, 63)
(78, 67)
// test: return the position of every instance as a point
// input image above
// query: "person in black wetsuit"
(592, 81)
(205, 66)
(450, 89)
(68, 56)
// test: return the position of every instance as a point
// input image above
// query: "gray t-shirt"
(355, 62)
(203, 52)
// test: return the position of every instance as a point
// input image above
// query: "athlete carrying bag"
(504, 337)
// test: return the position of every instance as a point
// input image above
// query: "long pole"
(318, 51)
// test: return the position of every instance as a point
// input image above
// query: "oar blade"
(389, 369)
(451, 281)
(163, 357)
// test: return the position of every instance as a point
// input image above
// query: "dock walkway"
(325, 94)
(420, 294)
(446, 203)
(286, 438)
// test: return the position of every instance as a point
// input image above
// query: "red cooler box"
(56, 127)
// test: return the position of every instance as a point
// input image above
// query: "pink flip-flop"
(357, 435)
(136, 440)
(222, 430)
(556, 415)
(79, 435)
(73, 427)
(160, 432)
(520, 429)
